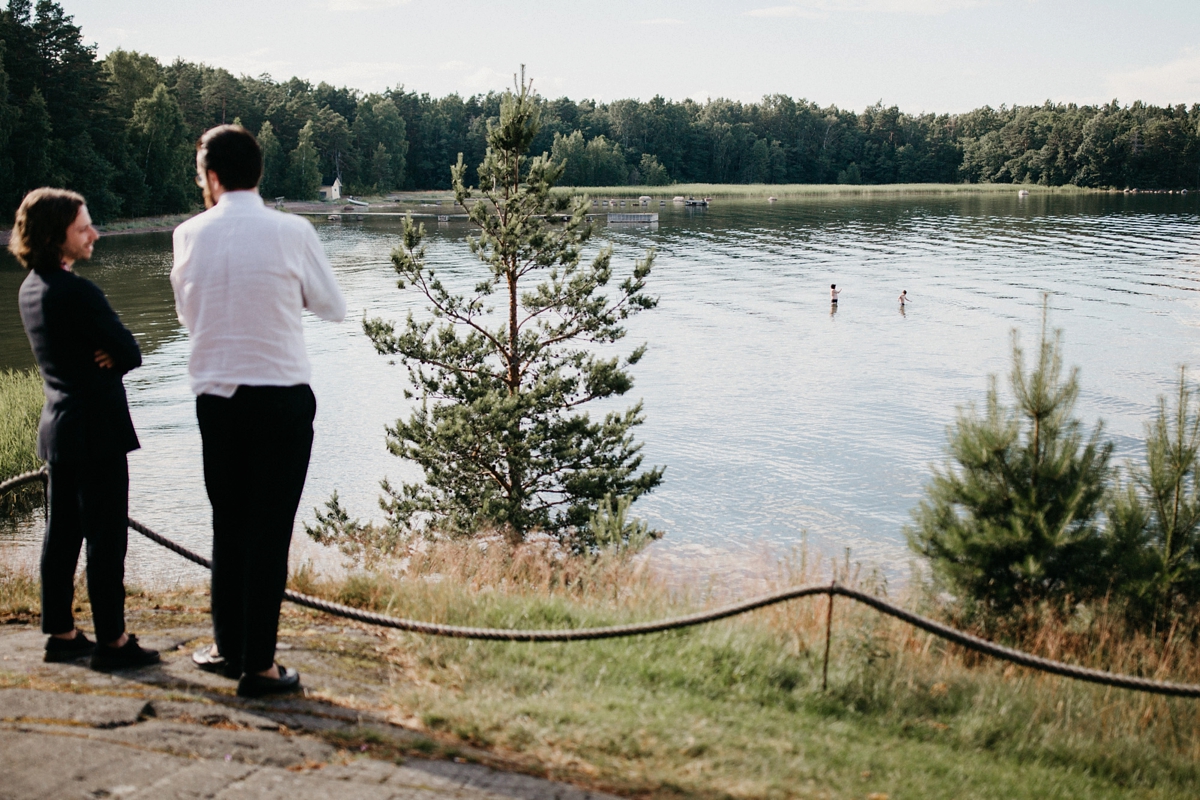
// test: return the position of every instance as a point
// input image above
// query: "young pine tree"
(503, 373)
(1012, 518)
(1154, 517)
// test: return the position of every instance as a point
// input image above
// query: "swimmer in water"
(833, 293)
(903, 298)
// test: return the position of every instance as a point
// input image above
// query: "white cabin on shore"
(333, 192)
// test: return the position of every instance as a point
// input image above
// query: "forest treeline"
(121, 130)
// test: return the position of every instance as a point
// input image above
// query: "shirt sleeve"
(321, 293)
(178, 270)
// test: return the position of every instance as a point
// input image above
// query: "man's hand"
(103, 360)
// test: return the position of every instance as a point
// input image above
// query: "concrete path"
(171, 731)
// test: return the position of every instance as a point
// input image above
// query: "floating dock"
(652, 217)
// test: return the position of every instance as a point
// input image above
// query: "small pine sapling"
(1012, 518)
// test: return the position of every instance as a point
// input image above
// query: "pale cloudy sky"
(922, 55)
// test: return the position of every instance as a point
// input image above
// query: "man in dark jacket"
(82, 350)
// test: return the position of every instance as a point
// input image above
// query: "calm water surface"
(773, 415)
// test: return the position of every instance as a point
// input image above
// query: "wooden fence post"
(828, 632)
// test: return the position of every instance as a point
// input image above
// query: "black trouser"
(87, 500)
(256, 449)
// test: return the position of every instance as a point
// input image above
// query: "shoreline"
(440, 202)
(156, 224)
(783, 190)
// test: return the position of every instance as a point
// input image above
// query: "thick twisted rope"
(939, 629)
(40, 475)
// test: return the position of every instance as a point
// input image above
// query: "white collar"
(240, 197)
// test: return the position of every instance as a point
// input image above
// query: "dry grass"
(20, 596)
(452, 581)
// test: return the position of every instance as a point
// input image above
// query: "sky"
(920, 55)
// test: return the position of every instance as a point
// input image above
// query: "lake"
(775, 416)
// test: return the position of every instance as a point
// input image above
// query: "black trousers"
(256, 450)
(87, 501)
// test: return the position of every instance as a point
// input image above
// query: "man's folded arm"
(110, 335)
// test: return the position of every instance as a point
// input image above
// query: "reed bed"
(21, 401)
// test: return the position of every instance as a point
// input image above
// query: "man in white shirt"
(243, 273)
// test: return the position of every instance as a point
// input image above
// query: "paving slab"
(193, 781)
(39, 765)
(202, 741)
(270, 784)
(171, 731)
(218, 714)
(97, 711)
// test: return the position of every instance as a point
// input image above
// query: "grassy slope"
(736, 709)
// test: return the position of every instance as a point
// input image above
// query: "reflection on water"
(770, 418)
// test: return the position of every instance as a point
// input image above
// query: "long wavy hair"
(40, 228)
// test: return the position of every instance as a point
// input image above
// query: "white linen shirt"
(242, 275)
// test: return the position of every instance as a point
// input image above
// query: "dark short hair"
(833, 286)
(232, 152)
(40, 228)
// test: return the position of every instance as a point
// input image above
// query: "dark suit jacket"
(67, 319)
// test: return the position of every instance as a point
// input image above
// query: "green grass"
(21, 401)
(736, 709)
(753, 190)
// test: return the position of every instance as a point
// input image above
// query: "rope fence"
(941, 630)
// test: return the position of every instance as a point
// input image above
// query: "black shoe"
(218, 664)
(62, 650)
(252, 685)
(127, 655)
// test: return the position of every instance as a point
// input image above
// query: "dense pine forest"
(121, 130)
